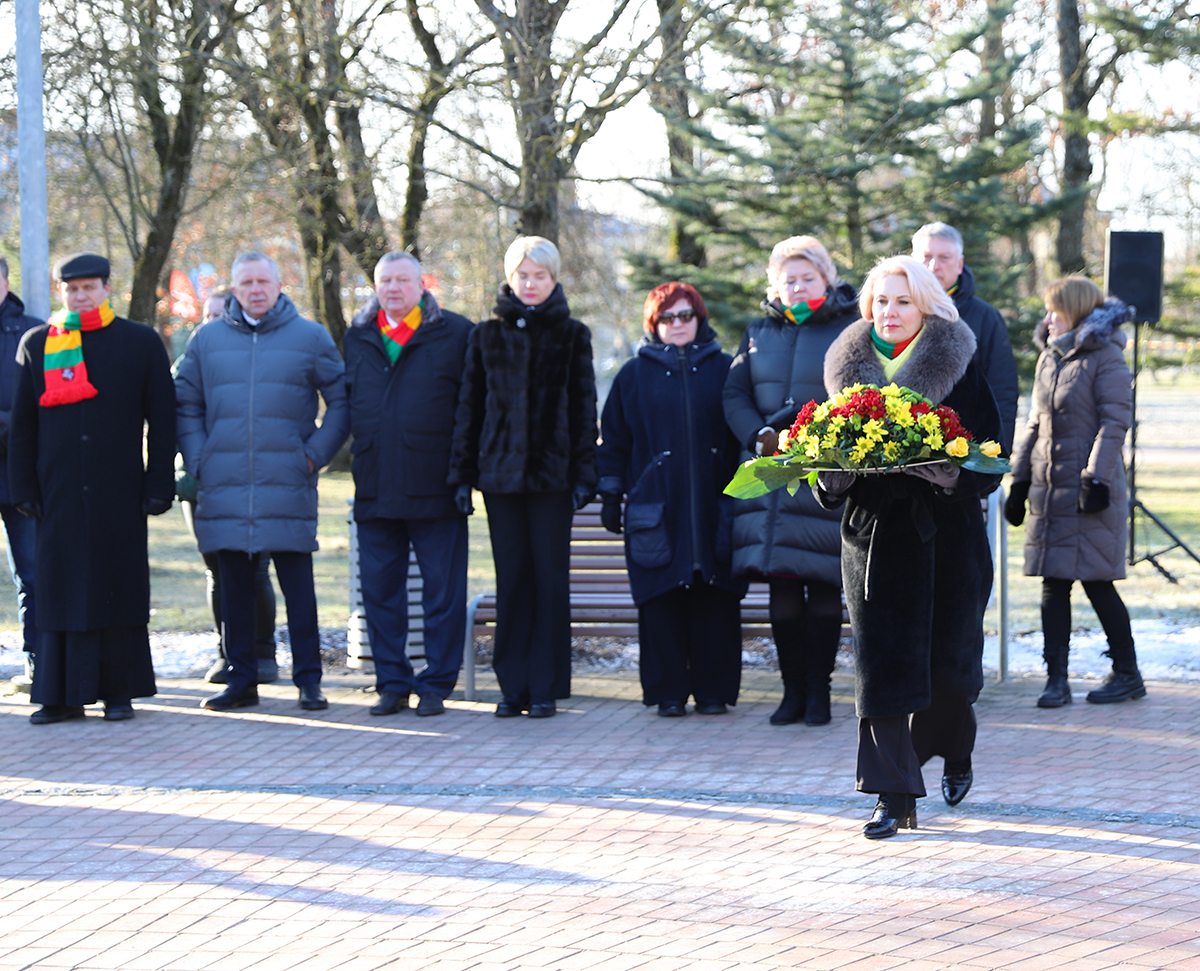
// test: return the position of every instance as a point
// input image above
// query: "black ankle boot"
(1118, 686)
(816, 710)
(1057, 693)
(893, 811)
(791, 709)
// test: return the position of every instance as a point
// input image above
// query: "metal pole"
(1133, 428)
(1002, 569)
(31, 163)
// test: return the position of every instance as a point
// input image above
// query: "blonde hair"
(537, 248)
(799, 248)
(1074, 297)
(923, 287)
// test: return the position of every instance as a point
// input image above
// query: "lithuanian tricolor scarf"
(66, 374)
(394, 338)
(802, 311)
(887, 348)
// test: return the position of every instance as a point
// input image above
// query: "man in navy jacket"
(20, 532)
(404, 366)
(940, 247)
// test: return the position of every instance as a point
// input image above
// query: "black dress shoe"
(893, 811)
(711, 708)
(542, 709)
(311, 698)
(510, 709)
(956, 781)
(219, 672)
(118, 711)
(49, 714)
(1118, 686)
(673, 710)
(1057, 693)
(389, 703)
(430, 705)
(232, 698)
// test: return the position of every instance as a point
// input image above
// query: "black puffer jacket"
(777, 371)
(402, 417)
(526, 419)
(13, 324)
(667, 448)
(993, 352)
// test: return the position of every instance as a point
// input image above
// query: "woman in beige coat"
(1069, 465)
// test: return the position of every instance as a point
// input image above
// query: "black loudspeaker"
(1133, 271)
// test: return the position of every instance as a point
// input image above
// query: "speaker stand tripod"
(1135, 504)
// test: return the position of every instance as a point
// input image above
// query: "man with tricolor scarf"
(91, 389)
(404, 365)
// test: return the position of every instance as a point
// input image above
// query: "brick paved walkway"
(604, 838)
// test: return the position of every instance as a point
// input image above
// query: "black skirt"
(83, 667)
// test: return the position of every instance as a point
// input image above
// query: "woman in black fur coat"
(915, 559)
(525, 436)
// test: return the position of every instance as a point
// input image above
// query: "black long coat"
(777, 371)
(915, 560)
(83, 464)
(14, 322)
(526, 419)
(667, 448)
(402, 417)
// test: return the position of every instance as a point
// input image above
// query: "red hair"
(666, 294)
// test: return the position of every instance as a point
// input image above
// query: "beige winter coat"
(1081, 410)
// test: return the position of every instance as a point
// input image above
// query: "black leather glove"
(581, 495)
(31, 509)
(155, 507)
(944, 475)
(610, 513)
(1014, 505)
(835, 484)
(462, 500)
(1093, 495)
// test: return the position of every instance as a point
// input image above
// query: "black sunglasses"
(683, 316)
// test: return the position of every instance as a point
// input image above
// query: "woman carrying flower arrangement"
(1068, 464)
(666, 448)
(789, 539)
(915, 559)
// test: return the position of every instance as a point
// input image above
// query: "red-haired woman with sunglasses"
(667, 450)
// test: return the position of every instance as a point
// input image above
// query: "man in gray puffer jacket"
(247, 408)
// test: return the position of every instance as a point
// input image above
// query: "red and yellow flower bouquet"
(867, 430)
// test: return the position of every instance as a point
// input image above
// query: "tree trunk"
(1077, 163)
(416, 188)
(669, 96)
(992, 63)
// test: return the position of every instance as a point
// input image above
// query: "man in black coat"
(940, 247)
(88, 384)
(404, 366)
(20, 531)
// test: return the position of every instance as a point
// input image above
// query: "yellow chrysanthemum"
(836, 422)
(861, 449)
(891, 451)
(957, 448)
(934, 440)
(891, 391)
(812, 447)
(783, 438)
(874, 430)
(900, 412)
(990, 449)
(930, 422)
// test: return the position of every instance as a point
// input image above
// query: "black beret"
(80, 266)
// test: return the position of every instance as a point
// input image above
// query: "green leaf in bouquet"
(757, 477)
(793, 486)
(978, 462)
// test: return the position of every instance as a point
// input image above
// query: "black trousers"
(806, 621)
(891, 751)
(1056, 619)
(295, 574)
(690, 645)
(531, 547)
(264, 593)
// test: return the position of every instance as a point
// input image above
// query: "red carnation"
(804, 417)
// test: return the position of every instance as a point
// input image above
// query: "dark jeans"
(891, 751)
(20, 533)
(295, 575)
(1056, 619)
(691, 644)
(806, 621)
(531, 547)
(264, 594)
(441, 547)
